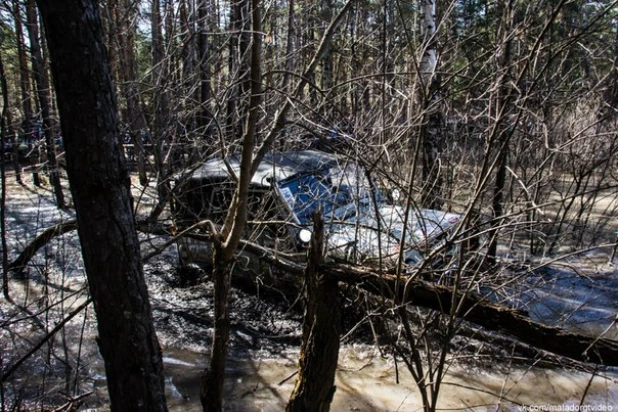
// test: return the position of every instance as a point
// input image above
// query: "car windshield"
(337, 191)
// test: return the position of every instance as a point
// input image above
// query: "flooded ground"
(266, 336)
(366, 382)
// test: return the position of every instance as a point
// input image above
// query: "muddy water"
(260, 380)
(366, 382)
(258, 376)
(260, 371)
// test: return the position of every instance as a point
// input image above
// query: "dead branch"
(20, 263)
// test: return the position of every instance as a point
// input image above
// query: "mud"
(266, 330)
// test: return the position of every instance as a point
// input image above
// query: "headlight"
(304, 236)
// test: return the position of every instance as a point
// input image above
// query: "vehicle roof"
(280, 165)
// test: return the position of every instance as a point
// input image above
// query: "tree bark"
(24, 86)
(189, 87)
(203, 55)
(239, 67)
(315, 386)
(502, 130)
(211, 390)
(23, 64)
(289, 48)
(101, 192)
(161, 130)
(326, 15)
(611, 93)
(3, 130)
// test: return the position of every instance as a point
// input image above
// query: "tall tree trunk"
(211, 389)
(160, 133)
(43, 93)
(432, 141)
(101, 191)
(238, 67)
(188, 54)
(326, 15)
(24, 85)
(232, 100)
(611, 93)
(502, 130)
(125, 19)
(227, 241)
(203, 56)
(5, 250)
(289, 48)
(24, 77)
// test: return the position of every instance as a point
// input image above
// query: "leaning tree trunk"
(101, 192)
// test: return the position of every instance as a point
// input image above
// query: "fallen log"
(59, 229)
(471, 307)
(481, 311)
(18, 265)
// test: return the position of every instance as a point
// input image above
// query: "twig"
(67, 406)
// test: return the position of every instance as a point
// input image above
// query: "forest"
(499, 116)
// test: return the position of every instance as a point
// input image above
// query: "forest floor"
(266, 336)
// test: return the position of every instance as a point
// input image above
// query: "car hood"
(359, 238)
